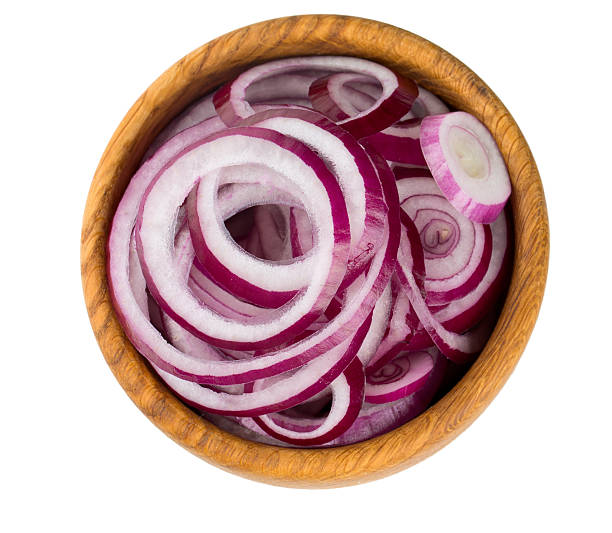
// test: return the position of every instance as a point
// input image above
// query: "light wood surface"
(203, 70)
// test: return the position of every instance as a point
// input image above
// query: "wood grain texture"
(203, 70)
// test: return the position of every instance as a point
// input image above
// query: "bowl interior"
(208, 67)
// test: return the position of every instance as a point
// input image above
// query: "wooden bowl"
(216, 62)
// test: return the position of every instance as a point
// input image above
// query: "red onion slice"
(353, 313)
(466, 163)
(142, 333)
(400, 143)
(398, 149)
(151, 344)
(298, 354)
(318, 190)
(179, 337)
(457, 251)
(458, 348)
(330, 96)
(335, 98)
(380, 320)
(281, 393)
(363, 300)
(289, 89)
(347, 392)
(136, 279)
(463, 313)
(400, 377)
(238, 195)
(217, 298)
(355, 173)
(283, 87)
(373, 419)
(253, 209)
(246, 275)
(425, 104)
(135, 321)
(396, 97)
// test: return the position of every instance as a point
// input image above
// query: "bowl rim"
(209, 66)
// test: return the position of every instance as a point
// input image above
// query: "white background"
(77, 455)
